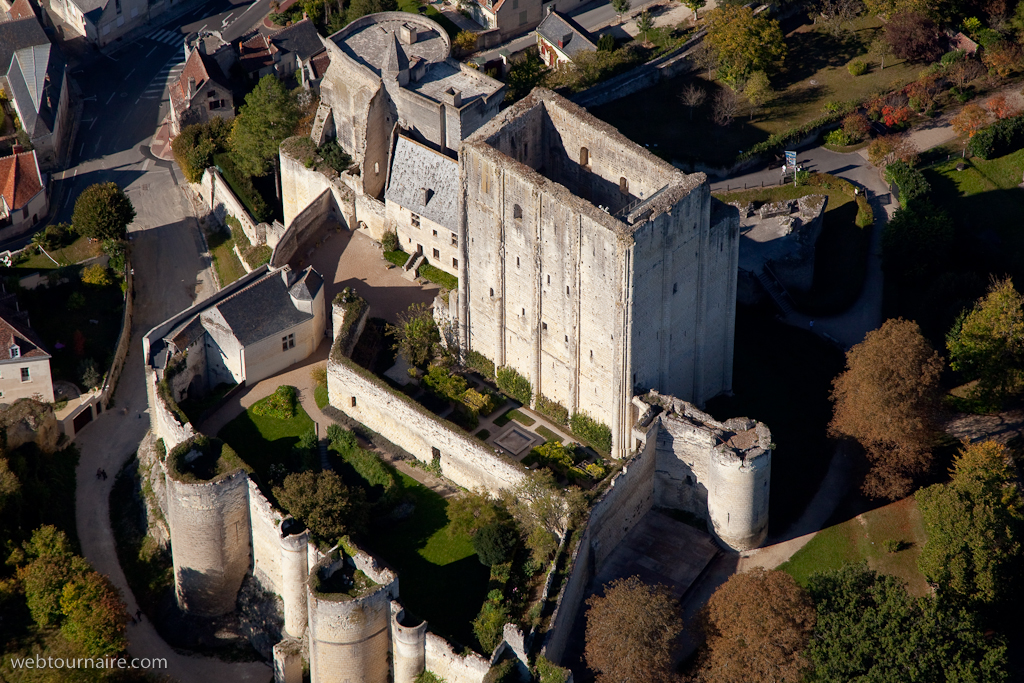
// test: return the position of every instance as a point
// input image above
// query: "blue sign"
(791, 159)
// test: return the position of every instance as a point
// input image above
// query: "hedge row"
(794, 135)
(910, 182)
(514, 384)
(1001, 138)
(553, 409)
(481, 363)
(597, 434)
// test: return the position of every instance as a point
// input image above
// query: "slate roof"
(15, 35)
(20, 179)
(565, 34)
(187, 335)
(416, 166)
(202, 68)
(307, 286)
(15, 333)
(319, 64)
(300, 38)
(36, 77)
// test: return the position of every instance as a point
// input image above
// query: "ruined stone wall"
(441, 660)
(683, 465)
(265, 521)
(464, 460)
(301, 187)
(321, 214)
(162, 421)
(738, 497)
(222, 202)
(348, 89)
(371, 216)
(210, 539)
(408, 641)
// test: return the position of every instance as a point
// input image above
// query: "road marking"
(81, 149)
(96, 148)
(152, 51)
(109, 98)
(152, 33)
(172, 39)
(145, 165)
(129, 74)
(226, 19)
(93, 123)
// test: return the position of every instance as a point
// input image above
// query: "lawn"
(263, 441)
(442, 580)
(76, 252)
(814, 73)
(222, 249)
(782, 377)
(861, 538)
(86, 327)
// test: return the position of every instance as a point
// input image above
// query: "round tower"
(294, 571)
(740, 477)
(409, 638)
(349, 620)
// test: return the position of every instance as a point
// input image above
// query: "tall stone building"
(591, 266)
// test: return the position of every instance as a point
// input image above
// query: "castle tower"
(740, 481)
(210, 541)
(409, 642)
(294, 571)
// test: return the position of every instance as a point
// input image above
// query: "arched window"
(584, 156)
(492, 291)
(623, 186)
(517, 212)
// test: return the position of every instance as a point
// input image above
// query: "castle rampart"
(409, 642)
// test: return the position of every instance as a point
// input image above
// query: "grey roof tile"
(417, 167)
(556, 28)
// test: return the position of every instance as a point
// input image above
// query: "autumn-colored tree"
(695, 6)
(889, 8)
(969, 120)
(1003, 59)
(987, 343)
(975, 526)
(856, 126)
(94, 615)
(922, 92)
(963, 71)
(50, 563)
(914, 37)
(887, 399)
(744, 43)
(895, 115)
(886, 149)
(758, 90)
(630, 631)
(9, 484)
(999, 107)
(757, 624)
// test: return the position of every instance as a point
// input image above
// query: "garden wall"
(217, 195)
(367, 399)
(308, 224)
(123, 340)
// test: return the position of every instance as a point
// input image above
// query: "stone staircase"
(775, 290)
(412, 266)
(323, 114)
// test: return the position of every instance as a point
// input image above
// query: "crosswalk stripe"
(172, 40)
(151, 34)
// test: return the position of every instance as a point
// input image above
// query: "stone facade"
(591, 266)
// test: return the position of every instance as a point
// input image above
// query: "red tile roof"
(21, 9)
(256, 53)
(14, 333)
(20, 179)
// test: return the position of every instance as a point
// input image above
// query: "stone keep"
(591, 266)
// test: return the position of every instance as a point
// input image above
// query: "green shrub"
(596, 471)
(503, 672)
(837, 138)
(514, 384)
(606, 42)
(280, 404)
(910, 182)
(242, 186)
(481, 363)
(389, 240)
(257, 255)
(495, 542)
(865, 214)
(835, 111)
(599, 435)
(97, 275)
(196, 145)
(444, 384)
(891, 545)
(553, 409)
(857, 67)
(439, 277)
(489, 624)
(999, 139)
(549, 672)
(429, 677)
(480, 403)
(334, 156)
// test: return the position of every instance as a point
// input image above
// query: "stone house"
(514, 17)
(200, 93)
(422, 201)
(24, 363)
(241, 336)
(13, 11)
(560, 40)
(284, 53)
(33, 73)
(102, 21)
(24, 200)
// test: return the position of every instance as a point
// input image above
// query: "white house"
(102, 21)
(23, 197)
(24, 364)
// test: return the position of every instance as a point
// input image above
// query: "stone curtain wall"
(367, 399)
(222, 202)
(123, 340)
(162, 422)
(210, 535)
(442, 661)
(265, 522)
(310, 223)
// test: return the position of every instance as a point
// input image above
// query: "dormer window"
(15, 351)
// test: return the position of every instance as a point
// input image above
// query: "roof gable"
(15, 35)
(20, 179)
(300, 38)
(416, 168)
(565, 34)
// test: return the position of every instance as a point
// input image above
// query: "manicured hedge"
(481, 363)
(795, 135)
(553, 409)
(999, 139)
(911, 182)
(598, 434)
(515, 385)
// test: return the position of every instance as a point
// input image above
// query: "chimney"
(304, 15)
(191, 87)
(565, 40)
(425, 195)
(18, 149)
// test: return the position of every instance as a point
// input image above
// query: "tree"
(103, 211)
(495, 542)
(758, 90)
(322, 502)
(856, 126)
(97, 275)
(489, 625)
(969, 120)
(974, 526)
(630, 631)
(1002, 59)
(416, 335)
(724, 107)
(706, 58)
(465, 41)
(644, 23)
(758, 624)
(869, 629)
(523, 76)
(886, 149)
(606, 43)
(987, 343)
(9, 484)
(268, 117)
(471, 511)
(914, 37)
(889, 8)
(999, 107)
(887, 399)
(359, 8)
(881, 47)
(963, 71)
(94, 615)
(695, 6)
(541, 511)
(195, 146)
(620, 7)
(692, 96)
(744, 42)
(50, 562)
(838, 15)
